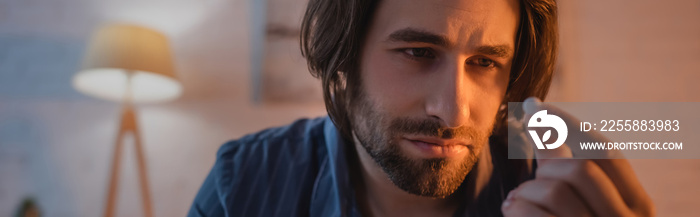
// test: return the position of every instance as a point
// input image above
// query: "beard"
(379, 134)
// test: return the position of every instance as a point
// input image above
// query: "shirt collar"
(333, 194)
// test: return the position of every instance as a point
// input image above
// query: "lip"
(429, 147)
(437, 141)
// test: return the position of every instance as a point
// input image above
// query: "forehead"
(462, 22)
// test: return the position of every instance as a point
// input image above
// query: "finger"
(590, 181)
(575, 136)
(544, 155)
(556, 196)
(530, 107)
(617, 169)
(520, 145)
(523, 208)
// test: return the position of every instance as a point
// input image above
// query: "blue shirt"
(298, 170)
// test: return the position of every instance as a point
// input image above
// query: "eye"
(419, 52)
(483, 62)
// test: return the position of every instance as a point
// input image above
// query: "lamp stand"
(128, 124)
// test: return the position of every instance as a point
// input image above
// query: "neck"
(378, 196)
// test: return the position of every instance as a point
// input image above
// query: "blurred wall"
(56, 144)
(636, 51)
(629, 51)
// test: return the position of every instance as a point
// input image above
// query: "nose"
(449, 99)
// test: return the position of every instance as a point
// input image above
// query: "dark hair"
(333, 31)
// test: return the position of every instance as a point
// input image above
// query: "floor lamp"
(128, 64)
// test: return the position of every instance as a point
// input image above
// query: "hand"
(577, 187)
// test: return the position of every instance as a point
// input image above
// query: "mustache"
(433, 128)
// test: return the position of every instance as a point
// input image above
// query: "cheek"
(489, 99)
(498, 86)
(388, 84)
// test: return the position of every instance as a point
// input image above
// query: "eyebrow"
(411, 35)
(414, 35)
(502, 51)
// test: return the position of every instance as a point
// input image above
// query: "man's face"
(433, 76)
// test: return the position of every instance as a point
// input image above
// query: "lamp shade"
(124, 60)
